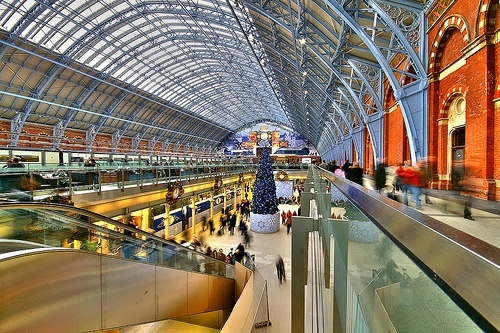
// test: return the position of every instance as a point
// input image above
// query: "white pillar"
(166, 221)
(211, 205)
(225, 200)
(235, 201)
(193, 214)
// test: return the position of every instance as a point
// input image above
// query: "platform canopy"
(192, 73)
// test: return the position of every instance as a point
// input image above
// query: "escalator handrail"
(95, 216)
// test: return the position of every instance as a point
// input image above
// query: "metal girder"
(416, 137)
(98, 36)
(359, 83)
(50, 75)
(25, 21)
(318, 51)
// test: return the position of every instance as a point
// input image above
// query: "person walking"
(223, 222)
(355, 173)
(280, 269)
(247, 238)
(288, 224)
(402, 181)
(232, 223)
(211, 226)
(412, 179)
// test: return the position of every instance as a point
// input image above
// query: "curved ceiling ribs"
(346, 51)
(176, 72)
(191, 73)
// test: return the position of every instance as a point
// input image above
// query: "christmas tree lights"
(264, 193)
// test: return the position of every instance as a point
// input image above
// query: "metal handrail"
(460, 264)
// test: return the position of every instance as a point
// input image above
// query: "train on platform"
(47, 158)
(181, 217)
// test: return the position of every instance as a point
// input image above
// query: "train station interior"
(132, 132)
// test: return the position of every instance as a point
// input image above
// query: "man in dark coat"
(355, 173)
(380, 176)
(232, 223)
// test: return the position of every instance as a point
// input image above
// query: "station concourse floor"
(266, 248)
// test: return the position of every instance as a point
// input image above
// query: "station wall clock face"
(176, 193)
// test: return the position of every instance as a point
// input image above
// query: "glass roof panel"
(195, 55)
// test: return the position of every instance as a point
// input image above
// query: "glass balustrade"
(69, 227)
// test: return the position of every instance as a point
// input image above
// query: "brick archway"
(448, 98)
(486, 17)
(443, 157)
(487, 24)
(436, 50)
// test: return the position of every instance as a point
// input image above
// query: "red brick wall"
(453, 45)
(395, 138)
(478, 79)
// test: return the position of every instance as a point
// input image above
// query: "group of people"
(348, 170)
(413, 179)
(228, 221)
(286, 219)
(407, 178)
(238, 255)
(199, 244)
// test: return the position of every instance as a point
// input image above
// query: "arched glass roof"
(195, 72)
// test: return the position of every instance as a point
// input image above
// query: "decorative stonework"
(265, 223)
(487, 16)
(437, 10)
(447, 100)
(436, 48)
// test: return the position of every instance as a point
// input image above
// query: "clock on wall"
(281, 175)
(174, 191)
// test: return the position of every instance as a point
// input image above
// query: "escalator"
(64, 269)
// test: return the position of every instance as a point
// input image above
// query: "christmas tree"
(264, 193)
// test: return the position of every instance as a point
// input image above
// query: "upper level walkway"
(448, 206)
